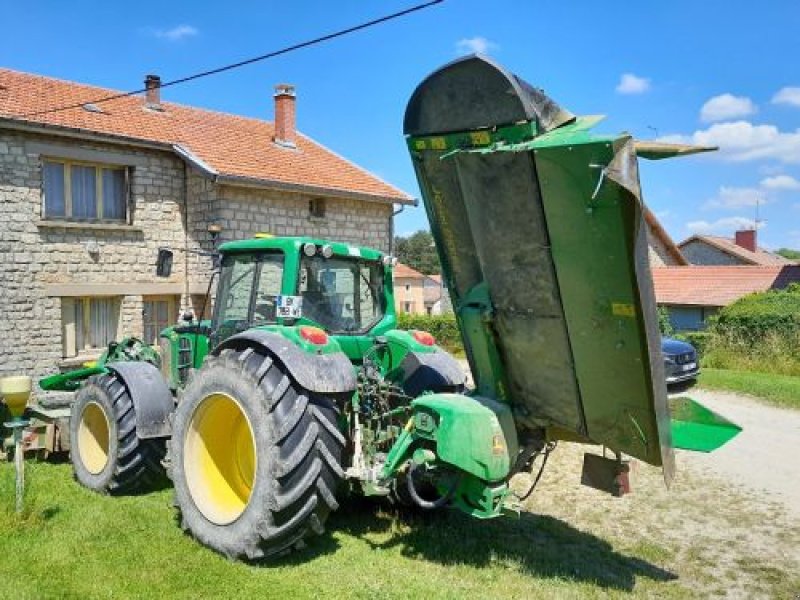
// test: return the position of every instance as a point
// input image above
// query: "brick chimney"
(284, 115)
(152, 95)
(746, 239)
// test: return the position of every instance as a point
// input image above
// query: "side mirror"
(164, 262)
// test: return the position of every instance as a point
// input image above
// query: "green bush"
(760, 332)
(664, 324)
(698, 339)
(442, 327)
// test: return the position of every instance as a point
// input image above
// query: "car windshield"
(343, 295)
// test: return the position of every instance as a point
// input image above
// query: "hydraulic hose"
(419, 500)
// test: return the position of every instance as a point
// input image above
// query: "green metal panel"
(470, 434)
(543, 245)
(694, 427)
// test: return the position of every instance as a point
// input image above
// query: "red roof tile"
(231, 145)
(406, 272)
(760, 257)
(718, 285)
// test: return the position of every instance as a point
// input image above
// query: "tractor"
(300, 386)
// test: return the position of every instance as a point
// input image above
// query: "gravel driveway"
(764, 456)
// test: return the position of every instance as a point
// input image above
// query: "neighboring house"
(741, 250)
(661, 249)
(88, 195)
(437, 300)
(692, 294)
(409, 290)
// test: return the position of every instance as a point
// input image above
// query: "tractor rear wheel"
(106, 452)
(255, 458)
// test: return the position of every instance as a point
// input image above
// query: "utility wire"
(243, 63)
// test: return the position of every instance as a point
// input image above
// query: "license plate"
(688, 366)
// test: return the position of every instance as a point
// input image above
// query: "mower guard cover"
(540, 227)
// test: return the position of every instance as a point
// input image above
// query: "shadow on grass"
(539, 546)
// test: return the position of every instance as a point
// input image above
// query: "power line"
(246, 62)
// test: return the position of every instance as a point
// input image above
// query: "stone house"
(88, 194)
(694, 293)
(743, 249)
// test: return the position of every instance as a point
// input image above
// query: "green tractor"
(300, 386)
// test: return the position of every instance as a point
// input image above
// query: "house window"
(89, 324)
(316, 207)
(407, 307)
(158, 313)
(84, 192)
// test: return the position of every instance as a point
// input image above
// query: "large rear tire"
(106, 453)
(255, 458)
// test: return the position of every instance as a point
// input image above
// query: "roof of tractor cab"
(296, 243)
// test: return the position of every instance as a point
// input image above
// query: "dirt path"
(763, 457)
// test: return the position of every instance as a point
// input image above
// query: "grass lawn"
(780, 390)
(699, 539)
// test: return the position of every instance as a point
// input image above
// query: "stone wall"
(244, 212)
(43, 261)
(659, 256)
(700, 253)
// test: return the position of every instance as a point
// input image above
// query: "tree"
(418, 251)
(789, 253)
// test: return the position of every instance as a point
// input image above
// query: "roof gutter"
(255, 182)
(82, 134)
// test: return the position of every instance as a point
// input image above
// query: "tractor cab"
(345, 291)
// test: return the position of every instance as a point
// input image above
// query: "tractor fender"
(152, 400)
(324, 373)
(432, 372)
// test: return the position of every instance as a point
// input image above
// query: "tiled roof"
(402, 271)
(233, 146)
(760, 257)
(718, 285)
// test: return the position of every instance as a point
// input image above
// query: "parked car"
(680, 360)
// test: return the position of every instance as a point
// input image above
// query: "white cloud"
(475, 45)
(631, 84)
(177, 33)
(663, 214)
(787, 95)
(726, 106)
(742, 141)
(736, 198)
(780, 182)
(724, 225)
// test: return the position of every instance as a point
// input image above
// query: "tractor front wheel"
(255, 458)
(107, 455)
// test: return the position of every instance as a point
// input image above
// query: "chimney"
(746, 239)
(284, 115)
(152, 95)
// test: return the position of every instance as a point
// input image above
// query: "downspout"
(391, 224)
(186, 238)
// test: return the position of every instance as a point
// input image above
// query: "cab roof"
(296, 243)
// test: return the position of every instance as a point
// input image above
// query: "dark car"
(680, 360)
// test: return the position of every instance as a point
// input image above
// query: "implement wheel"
(107, 455)
(255, 458)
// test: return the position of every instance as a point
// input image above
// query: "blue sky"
(717, 72)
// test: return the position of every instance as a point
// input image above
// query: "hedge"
(764, 313)
(442, 327)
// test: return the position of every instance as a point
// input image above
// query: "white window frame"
(70, 327)
(68, 163)
(172, 303)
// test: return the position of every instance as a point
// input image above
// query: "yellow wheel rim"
(219, 458)
(93, 435)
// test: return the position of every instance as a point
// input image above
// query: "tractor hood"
(540, 229)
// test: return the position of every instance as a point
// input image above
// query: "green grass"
(575, 543)
(779, 390)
